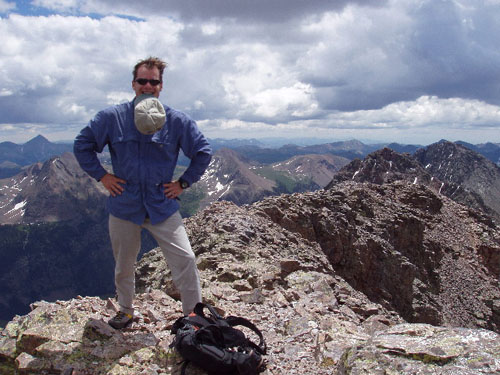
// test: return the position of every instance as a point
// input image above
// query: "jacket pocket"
(155, 193)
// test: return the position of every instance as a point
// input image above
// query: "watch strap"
(184, 183)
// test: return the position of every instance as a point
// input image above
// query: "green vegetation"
(285, 182)
(190, 200)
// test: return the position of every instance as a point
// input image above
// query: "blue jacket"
(146, 162)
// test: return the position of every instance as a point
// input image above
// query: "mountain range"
(469, 177)
(53, 236)
(14, 156)
(54, 205)
(53, 224)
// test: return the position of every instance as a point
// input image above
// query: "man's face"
(150, 74)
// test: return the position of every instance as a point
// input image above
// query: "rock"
(402, 245)
(421, 348)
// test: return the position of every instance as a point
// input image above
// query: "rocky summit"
(357, 279)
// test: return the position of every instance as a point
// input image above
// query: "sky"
(407, 71)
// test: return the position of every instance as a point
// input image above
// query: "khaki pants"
(174, 243)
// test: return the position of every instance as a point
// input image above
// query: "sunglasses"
(152, 82)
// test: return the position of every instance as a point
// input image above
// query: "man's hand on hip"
(172, 189)
(113, 184)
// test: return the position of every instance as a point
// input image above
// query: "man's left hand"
(172, 189)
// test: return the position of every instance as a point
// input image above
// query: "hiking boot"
(120, 320)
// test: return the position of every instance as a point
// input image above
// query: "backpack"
(213, 344)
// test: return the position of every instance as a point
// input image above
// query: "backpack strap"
(184, 366)
(231, 321)
(198, 321)
(198, 310)
(197, 318)
(239, 321)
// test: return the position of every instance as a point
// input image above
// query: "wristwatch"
(184, 183)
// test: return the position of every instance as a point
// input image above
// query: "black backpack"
(213, 344)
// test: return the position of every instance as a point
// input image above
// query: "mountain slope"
(56, 190)
(404, 246)
(474, 182)
(229, 177)
(53, 238)
(489, 150)
(320, 168)
(464, 172)
(235, 178)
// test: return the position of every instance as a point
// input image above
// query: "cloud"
(6, 6)
(58, 5)
(255, 11)
(426, 120)
(370, 58)
(263, 66)
(54, 63)
(425, 112)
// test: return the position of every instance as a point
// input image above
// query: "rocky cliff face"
(341, 281)
(385, 166)
(404, 246)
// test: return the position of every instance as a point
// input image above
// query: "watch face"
(184, 184)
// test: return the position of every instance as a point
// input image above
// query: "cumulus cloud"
(54, 63)
(269, 67)
(425, 112)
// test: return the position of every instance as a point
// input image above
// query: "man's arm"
(196, 147)
(88, 143)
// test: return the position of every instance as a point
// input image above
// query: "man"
(142, 193)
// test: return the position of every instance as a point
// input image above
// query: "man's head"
(148, 76)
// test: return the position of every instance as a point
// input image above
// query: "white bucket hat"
(149, 114)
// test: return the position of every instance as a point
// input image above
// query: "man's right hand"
(113, 184)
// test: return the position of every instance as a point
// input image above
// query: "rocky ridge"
(385, 166)
(351, 280)
(447, 168)
(468, 177)
(404, 246)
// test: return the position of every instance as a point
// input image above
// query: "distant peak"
(38, 139)
(445, 141)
